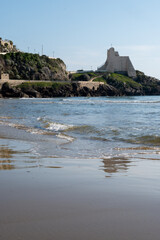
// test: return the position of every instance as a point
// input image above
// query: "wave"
(66, 137)
(43, 102)
(34, 130)
(54, 126)
(58, 127)
(31, 130)
(99, 139)
(61, 127)
(149, 139)
(152, 140)
(102, 101)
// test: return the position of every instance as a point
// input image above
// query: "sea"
(80, 168)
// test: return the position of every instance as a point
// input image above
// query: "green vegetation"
(83, 76)
(100, 79)
(80, 77)
(44, 84)
(76, 76)
(119, 80)
(92, 74)
(29, 66)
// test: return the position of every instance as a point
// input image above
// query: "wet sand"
(77, 199)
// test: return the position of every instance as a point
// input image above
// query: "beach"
(80, 168)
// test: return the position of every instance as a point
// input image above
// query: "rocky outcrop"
(8, 91)
(150, 85)
(112, 85)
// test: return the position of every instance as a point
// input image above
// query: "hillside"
(29, 66)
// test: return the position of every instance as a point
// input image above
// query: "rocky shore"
(62, 90)
(142, 85)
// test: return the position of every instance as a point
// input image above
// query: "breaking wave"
(58, 127)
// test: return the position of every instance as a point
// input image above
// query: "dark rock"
(107, 90)
(31, 92)
(8, 91)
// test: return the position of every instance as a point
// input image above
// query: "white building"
(118, 64)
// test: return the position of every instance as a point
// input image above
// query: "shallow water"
(80, 168)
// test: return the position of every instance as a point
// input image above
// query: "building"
(4, 76)
(117, 64)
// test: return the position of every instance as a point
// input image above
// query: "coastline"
(96, 86)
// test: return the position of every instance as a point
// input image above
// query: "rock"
(107, 90)
(32, 93)
(24, 95)
(8, 91)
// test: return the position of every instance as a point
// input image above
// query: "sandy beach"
(64, 176)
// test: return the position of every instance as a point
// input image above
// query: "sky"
(80, 31)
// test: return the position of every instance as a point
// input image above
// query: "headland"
(32, 75)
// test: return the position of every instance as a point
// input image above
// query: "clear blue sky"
(80, 32)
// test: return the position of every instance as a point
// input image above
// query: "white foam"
(102, 101)
(66, 137)
(58, 127)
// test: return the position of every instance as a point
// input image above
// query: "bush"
(80, 77)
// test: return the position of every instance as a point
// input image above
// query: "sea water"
(80, 168)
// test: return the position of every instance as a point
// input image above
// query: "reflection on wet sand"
(7, 166)
(115, 164)
(11, 159)
(6, 153)
(122, 161)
